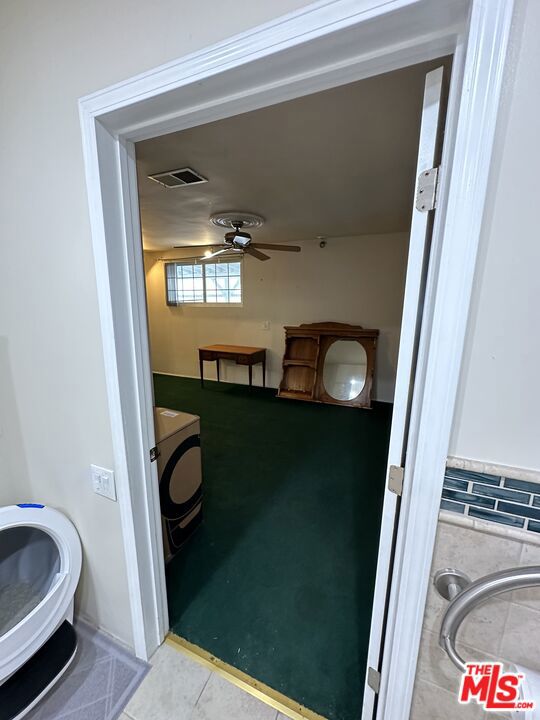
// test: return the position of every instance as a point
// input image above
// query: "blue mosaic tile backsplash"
(515, 503)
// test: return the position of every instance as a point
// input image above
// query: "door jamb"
(321, 44)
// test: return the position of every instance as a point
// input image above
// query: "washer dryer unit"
(178, 446)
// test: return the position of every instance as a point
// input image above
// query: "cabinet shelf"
(295, 395)
(301, 362)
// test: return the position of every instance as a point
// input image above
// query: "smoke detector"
(234, 219)
(178, 178)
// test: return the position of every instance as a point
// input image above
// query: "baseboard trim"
(271, 697)
(80, 617)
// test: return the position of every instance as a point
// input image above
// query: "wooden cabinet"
(329, 362)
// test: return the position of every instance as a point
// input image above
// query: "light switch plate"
(103, 482)
(265, 325)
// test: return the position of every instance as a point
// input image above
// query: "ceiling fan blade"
(275, 246)
(250, 250)
(197, 247)
(218, 252)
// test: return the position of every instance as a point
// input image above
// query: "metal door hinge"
(426, 192)
(374, 679)
(395, 479)
(154, 454)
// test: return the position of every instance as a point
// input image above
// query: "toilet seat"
(22, 640)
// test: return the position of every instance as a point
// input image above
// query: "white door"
(422, 221)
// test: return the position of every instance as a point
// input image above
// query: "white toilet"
(40, 565)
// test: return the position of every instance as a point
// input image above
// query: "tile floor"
(178, 688)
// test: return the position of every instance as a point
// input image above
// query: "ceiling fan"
(238, 240)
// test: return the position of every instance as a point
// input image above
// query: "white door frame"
(327, 43)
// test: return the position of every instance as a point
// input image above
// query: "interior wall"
(358, 280)
(496, 418)
(54, 416)
(14, 479)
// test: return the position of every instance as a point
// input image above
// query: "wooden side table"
(242, 355)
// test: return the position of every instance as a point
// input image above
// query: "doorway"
(171, 98)
(277, 575)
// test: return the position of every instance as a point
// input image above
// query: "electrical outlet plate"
(103, 482)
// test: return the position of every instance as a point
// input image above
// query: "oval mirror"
(344, 372)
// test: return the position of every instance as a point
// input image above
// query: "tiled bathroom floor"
(178, 688)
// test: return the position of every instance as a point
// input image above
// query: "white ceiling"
(336, 163)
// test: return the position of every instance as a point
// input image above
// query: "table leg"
(250, 366)
(217, 368)
(201, 370)
(264, 371)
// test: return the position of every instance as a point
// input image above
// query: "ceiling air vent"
(178, 178)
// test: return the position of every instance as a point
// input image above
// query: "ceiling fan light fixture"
(237, 240)
(240, 239)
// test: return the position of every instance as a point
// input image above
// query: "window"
(193, 282)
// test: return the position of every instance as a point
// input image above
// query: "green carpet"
(278, 581)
